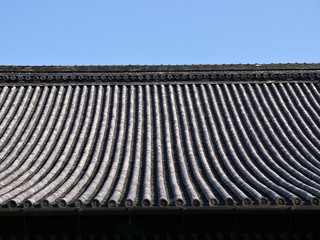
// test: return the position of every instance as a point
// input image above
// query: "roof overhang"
(152, 221)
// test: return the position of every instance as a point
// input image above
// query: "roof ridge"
(159, 74)
(142, 68)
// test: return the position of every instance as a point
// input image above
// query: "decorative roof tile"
(81, 140)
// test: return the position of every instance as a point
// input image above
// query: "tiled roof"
(208, 141)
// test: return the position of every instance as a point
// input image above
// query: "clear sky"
(121, 32)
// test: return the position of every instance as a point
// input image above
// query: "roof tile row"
(160, 145)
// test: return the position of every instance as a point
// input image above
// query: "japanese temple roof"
(160, 136)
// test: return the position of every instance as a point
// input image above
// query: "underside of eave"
(160, 211)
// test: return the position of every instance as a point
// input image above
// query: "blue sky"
(118, 32)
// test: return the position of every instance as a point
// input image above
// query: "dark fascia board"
(160, 68)
(155, 221)
(136, 211)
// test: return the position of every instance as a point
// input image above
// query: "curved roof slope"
(160, 143)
